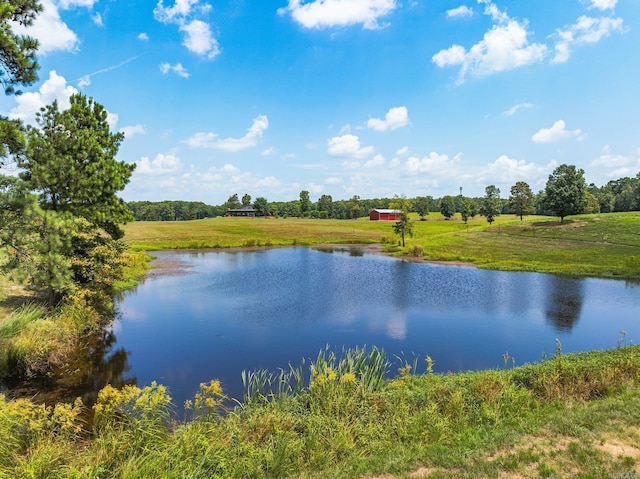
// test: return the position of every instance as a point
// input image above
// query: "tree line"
(566, 193)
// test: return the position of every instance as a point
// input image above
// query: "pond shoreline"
(164, 267)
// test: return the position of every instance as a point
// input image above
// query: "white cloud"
(50, 31)
(174, 14)
(198, 36)
(616, 166)
(557, 132)
(112, 120)
(504, 47)
(434, 164)
(228, 168)
(97, 20)
(375, 162)
(402, 151)
(509, 170)
(132, 130)
(29, 103)
(143, 36)
(268, 151)
(349, 146)
(514, 109)
(178, 69)
(585, 30)
(199, 39)
(315, 189)
(338, 13)
(268, 182)
(395, 118)
(211, 140)
(461, 11)
(333, 180)
(68, 4)
(603, 4)
(160, 165)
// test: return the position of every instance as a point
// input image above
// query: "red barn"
(385, 215)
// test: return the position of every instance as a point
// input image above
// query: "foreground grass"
(606, 245)
(570, 416)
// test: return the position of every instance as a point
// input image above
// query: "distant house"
(242, 211)
(385, 215)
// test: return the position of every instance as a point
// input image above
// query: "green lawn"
(606, 245)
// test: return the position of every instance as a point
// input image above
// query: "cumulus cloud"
(615, 165)
(68, 4)
(557, 132)
(211, 140)
(143, 36)
(586, 30)
(133, 130)
(50, 31)
(435, 165)
(160, 165)
(395, 118)
(178, 69)
(602, 4)
(509, 170)
(461, 11)
(349, 146)
(514, 109)
(198, 36)
(54, 88)
(338, 13)
(375, 162)
(504, 47)
(199, 39)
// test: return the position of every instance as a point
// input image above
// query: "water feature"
(213, 314)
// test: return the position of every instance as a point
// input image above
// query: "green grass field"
(606, 245)
(575, 416)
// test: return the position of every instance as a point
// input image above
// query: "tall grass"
(480, 424)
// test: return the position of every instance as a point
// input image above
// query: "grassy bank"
(570, 416)
(34, 338)
(606, 245)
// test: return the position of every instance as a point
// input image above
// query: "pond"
(222, 312)
(213, 314)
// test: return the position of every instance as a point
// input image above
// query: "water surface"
(223, 312)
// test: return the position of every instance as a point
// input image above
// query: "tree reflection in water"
(564, 302)
(90, 368)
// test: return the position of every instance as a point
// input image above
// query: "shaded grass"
(477, 424)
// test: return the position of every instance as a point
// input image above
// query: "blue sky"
(349, 97)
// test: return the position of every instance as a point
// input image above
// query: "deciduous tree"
(466, 208)
(421, 205)
(261, 206)
(448, 206)
(305, 203)
(491, 204)
(521, 200)
(564, 192)
(403, 226)
(325, 206)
